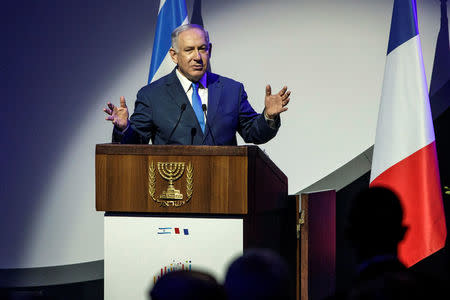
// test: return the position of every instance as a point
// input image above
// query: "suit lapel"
(214, 93)
(175, 90)
(177, 94)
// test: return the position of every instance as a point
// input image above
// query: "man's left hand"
(276, 104)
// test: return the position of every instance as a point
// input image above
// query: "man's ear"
(173, 55)
(210, 50)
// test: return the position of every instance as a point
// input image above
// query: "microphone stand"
(182, 108)
(209, 125)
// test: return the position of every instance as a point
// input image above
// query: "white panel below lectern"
(139, 249)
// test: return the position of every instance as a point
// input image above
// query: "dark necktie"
(197, 105)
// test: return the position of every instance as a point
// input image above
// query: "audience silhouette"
(258, 274)
(187, 285)
(375, 228)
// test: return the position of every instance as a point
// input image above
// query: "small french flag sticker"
(185, 231)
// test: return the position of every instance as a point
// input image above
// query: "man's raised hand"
(117, 115)
(276, 104)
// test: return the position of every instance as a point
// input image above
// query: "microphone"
(182, 109)
(193, 133)
(209, 125)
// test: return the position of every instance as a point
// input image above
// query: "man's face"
(193, 54)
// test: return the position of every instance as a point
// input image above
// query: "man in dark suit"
(191, 106)
(375, 229)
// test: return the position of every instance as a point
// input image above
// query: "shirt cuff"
(270, 122)
(122, 131)
(126, 128)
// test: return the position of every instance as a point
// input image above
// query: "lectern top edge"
(122, 149)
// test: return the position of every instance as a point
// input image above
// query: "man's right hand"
(117, 115)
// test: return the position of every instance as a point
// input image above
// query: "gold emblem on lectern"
(171, 172)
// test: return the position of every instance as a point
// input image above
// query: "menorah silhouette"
(171, 171)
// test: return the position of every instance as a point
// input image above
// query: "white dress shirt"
(187, 87)
(203, 92)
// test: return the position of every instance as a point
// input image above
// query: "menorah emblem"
(171, 171)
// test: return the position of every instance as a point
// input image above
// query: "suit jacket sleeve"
(253, 127)
(140, 129)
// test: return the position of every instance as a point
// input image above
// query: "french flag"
(171, 14)
(404, 157)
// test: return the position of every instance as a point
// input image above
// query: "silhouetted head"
(187, 285)
(258, 274)
(375, 222)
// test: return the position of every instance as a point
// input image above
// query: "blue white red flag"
(404, 157)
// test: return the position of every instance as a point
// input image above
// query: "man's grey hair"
(185, 27)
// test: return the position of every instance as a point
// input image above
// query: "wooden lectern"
(202, 199)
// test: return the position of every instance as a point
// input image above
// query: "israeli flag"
(171, 14)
